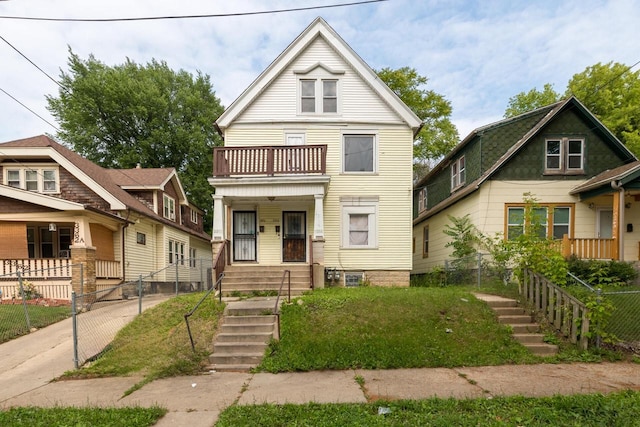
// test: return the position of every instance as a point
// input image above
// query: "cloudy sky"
(477, 54)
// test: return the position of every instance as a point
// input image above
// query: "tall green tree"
(527, 101)
(438, 135)
(119, 116)
(611, 91)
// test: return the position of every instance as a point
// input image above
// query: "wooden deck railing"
(36, 268)
(108, 269)
(589, 248)
(269, 160)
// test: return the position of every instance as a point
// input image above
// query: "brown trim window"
(551, 220)
(425, 242)
(564, 156)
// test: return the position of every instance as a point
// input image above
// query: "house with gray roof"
(585, 182)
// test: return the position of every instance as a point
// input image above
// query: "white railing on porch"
(40, 268)
(107, 269)
(58, 290)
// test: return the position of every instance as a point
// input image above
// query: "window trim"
(425, 242)
(359, 206)
(40, 180)
(168, 207)
(194, 216)
(319, 96)
(564, 156)
(423, 199)
(550, 225)
(374, 138)
(458, 173)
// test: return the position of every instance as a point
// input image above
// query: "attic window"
(318, 96)
(422, 199)
(169, 207)
(458, 173)
(564, 156)
(33, 178)
(194, 216)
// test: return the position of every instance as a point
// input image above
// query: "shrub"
(603, 273)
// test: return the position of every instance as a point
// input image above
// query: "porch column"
(82, 232)
(218, 219)
(318, 218)
(83, 279)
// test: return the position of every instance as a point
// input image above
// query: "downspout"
(122, 243)
(618, 187)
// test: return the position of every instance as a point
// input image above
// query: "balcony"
(269, 160)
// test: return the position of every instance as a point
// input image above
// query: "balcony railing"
(269, 160)
(590, 248)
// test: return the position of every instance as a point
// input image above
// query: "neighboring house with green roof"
(59, 209)
(585, 181)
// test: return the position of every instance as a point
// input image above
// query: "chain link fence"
(32, 298)
(99, 315)
(478, 269)
(624, 323)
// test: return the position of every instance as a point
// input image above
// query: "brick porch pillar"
(85, 255)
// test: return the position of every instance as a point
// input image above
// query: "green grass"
(13, 322)
(613, 410)
(156, 343)
(386, 328)
(81, 417)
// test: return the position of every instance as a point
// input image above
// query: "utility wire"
(34, 64)
(33, 112)
(217, 15)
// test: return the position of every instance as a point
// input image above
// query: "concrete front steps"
(523, 327)
(253, 278)
(247, 327)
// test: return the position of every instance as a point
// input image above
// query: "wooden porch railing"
(108, 269)
(566, 313)
(36, 268)
(590, 248)
(221, 260)
(269, 160)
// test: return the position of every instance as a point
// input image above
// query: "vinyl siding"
(140, 259)
(357, 101)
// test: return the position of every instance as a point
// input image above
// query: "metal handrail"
(218, 286)
(276, 309)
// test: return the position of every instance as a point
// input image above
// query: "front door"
(293, 237)
(605, 223)
(244, 236)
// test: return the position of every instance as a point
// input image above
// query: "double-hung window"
(425, 242)
(318, 96)
(194, 216)
(169, 205)
(359, 153)
(550, 221)
(176, 252)
(33, 178)
(564, 156)
(359, 222)
(458, 173)
(422, 199)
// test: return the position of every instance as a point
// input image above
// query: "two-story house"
(585, 182)
(58, 209)
(315, 175)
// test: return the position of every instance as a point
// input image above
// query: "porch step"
(247, 279)
(523, 328)
(247, 328)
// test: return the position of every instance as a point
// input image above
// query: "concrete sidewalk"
(196, 401)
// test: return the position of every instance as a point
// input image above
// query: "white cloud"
(475, 54)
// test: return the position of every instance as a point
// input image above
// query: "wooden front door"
(244, 236)
(293, 236)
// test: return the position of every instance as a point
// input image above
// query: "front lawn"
(80, 417)
(13, 322)
(387, 328)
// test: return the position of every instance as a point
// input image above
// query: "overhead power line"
(215, 15)
(30, 110)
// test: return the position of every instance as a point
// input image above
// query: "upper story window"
(194, 216)
(458, 173)
(169, 204)
(318, 96)
(37, 179)
(422, 199)
(425, 242)
(359, 153)
(564, 156)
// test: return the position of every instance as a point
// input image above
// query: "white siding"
(140, 259)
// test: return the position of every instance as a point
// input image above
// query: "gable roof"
(147, 179)
(540, 118)
(609, 179)
(318, 28)
(98, 179)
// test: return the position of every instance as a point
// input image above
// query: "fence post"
(74, 326)
(177, 277)
(140, 294)
(479, 268)
(24, 302)
(597, 327)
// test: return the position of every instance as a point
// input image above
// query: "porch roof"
(626, 176)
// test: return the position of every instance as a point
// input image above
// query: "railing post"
(24, 302)
(479, 268)
(177, 277)
(140, 294)
(74, 327)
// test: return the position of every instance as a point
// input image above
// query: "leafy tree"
(438, 135)
(527, 101)
(119, 116)
(612, 92)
